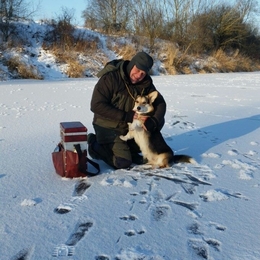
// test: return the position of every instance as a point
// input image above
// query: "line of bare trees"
(194, 25)
(197, 25)
(14, 10)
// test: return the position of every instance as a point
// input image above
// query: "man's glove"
(150, 124)
(129, 116)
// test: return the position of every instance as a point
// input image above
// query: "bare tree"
(13, 10)
(221, 26)
(148, 18)
(61, 32)
(64, 27)
(107, 15)
(180, 14)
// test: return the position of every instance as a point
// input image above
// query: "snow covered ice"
(206, 211)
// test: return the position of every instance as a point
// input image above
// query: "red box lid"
(72, 127)
(74, 138)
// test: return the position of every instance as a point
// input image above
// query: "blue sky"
(52, 8)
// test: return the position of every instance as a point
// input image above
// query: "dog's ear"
(152, 96)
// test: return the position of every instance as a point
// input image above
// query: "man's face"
(136, 75)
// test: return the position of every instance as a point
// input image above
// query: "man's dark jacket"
(114, 96)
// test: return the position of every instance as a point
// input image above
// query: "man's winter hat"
(142, 60)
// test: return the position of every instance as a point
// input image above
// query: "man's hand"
(141, 118)
(150, 124)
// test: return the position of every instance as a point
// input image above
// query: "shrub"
(176, 61)
(75, 69)
(234, 62)
(171, 54)
(23, 70)
(127, 52)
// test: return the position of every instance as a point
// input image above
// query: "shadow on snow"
(199, 141)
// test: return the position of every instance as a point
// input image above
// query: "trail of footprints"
(79, 190)
(158, 204)
(199, 244)
(82, 227)
(245, 168)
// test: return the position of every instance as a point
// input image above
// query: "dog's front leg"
(130, 134)
(126, 137)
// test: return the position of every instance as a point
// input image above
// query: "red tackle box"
(73, 133)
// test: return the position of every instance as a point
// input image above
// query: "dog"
(152, 145)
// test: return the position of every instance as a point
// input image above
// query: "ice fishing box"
(73, 133)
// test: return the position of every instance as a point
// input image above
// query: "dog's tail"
(182, 158)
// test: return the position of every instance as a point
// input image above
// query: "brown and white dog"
(152, 145)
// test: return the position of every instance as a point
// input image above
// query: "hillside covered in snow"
(36, 53)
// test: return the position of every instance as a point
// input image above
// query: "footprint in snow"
(188, 125)
(220, 194)
(232, 144)
(195, 229)
(80, 230)
(62, 209)
(30, 202)
(68, 249)
(143, 192)
(118, 181)
(102, 257)
(63, 250)
(250, 153)
(137, 253)
(233, 152)
(246, 170)
(132, 232)
(211, 155)
(199, 248)
(160, 213)
(217, 226)
(24, 254)
(213, 243)
(130, 217)
(80, 188)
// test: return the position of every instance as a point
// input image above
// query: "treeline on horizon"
(191, 27)
(196, 26)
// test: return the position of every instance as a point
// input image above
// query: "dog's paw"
(122, 137)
